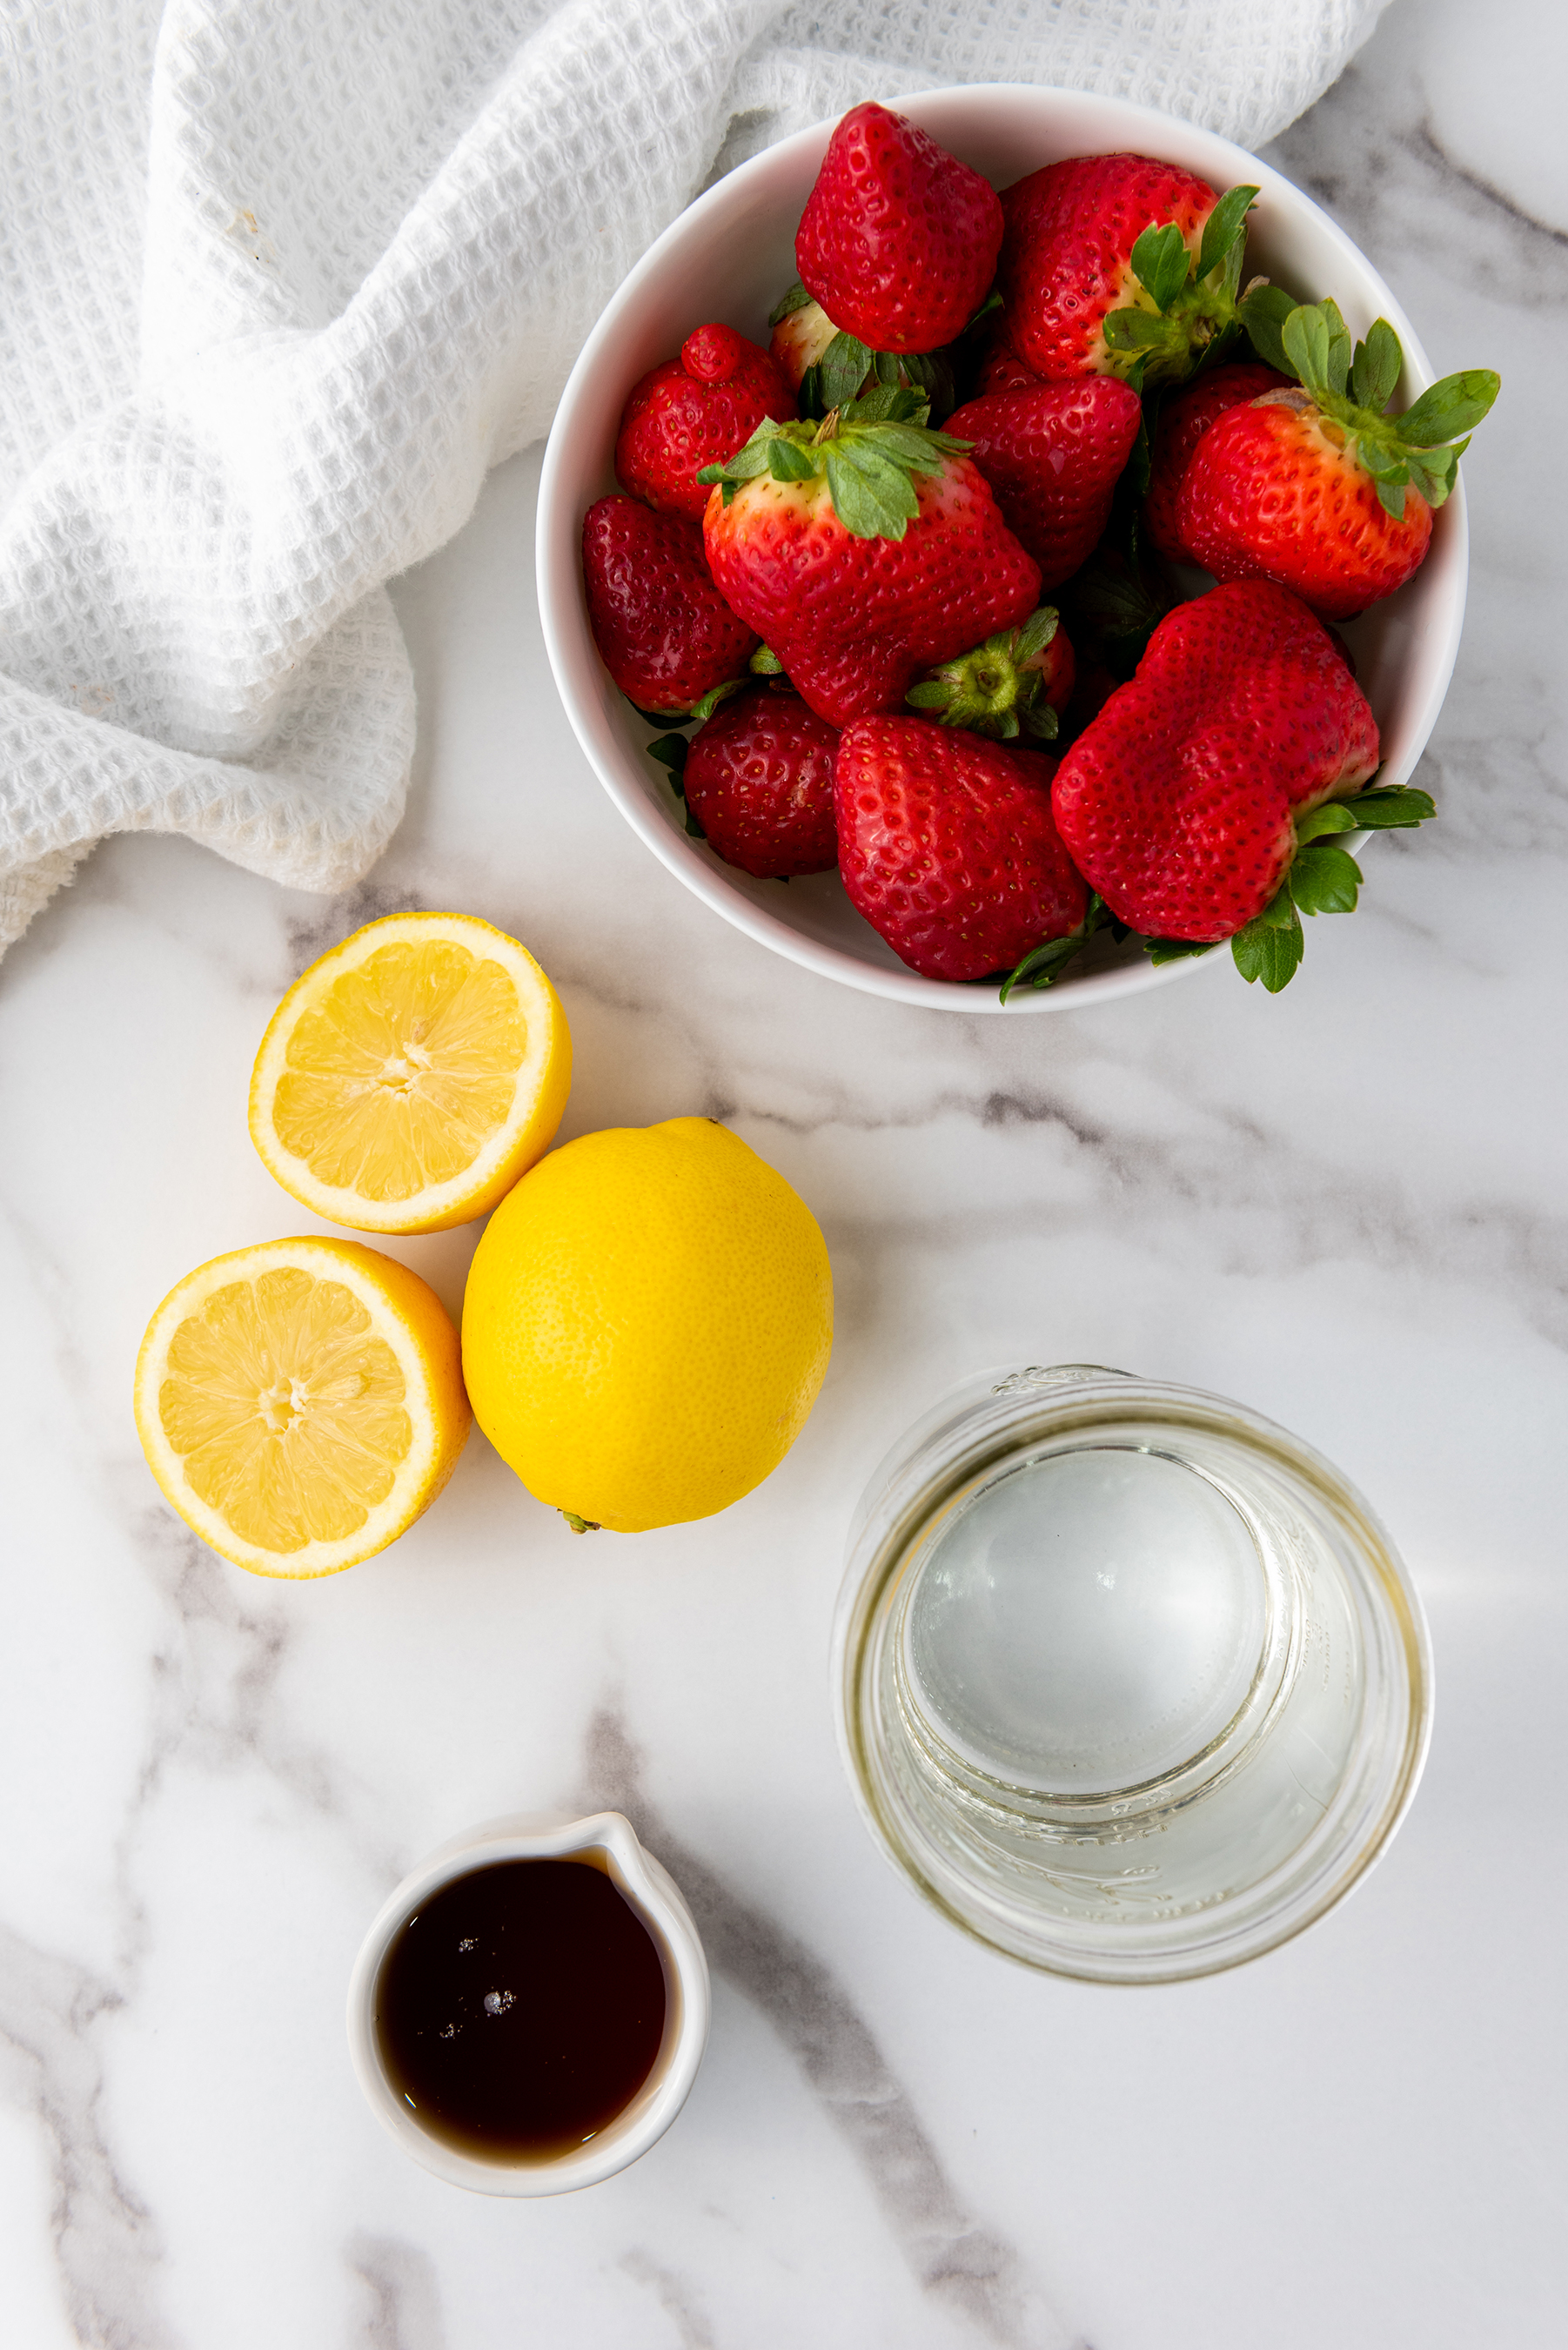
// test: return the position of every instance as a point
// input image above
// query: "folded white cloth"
(283, 278)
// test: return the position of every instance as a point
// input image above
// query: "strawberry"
(692, 411)
(758, 778)
(802, 330)
(865, 550)
(1183, 421)
(1317, 486)
(898, 239)
(1052, 456)
(948, 847)
(1118, 265)
(1198, 803)
(664, 632)
(825, 366)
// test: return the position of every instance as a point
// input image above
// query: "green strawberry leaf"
(1433, 469)
(1264, 312)
(873, 497)
(1222, 231)
(1325, 881)
(1040, 721)
(1134, 330)
(1375, 369)
(885, 366)
(1329, 816)
(748, 461)
(795, 299)
(1391, 498)
(1036, 633)
(1384, 464)
(992, 301)
(1454, 406)
(1161, 262)
(1173, 950)
(788, 462)
(842, 370)
(1269, 947)
(1388, 805)
(1305, 339)
(693, 826)
(1044, 964)
(890, 403)
(1317, 348)
(671, 752)
(765, 662)
(915, 446)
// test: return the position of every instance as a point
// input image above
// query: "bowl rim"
(658, 1901)
(562, 611)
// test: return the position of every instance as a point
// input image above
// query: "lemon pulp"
(285, 1409)
(411, 1075)
(301, 1403)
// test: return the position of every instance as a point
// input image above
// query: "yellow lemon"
(301, 1402)
(411, 1075)
(648, 1320)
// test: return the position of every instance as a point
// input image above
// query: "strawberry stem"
(1189, 304)
(995, 689)
(1350, 384)
(869, 451)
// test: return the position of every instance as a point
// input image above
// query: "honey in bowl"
(520, 2008)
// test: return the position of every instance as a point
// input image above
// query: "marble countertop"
(1344, 1206)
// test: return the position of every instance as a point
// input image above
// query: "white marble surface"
(1345, 1206)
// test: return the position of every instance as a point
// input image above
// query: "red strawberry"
(664, 632)
(758, 780)
(948, 847)
(1001, 370)
(1317, 486)
(1118, 265)
(1052, 456)
(695, 410)
(865, 550)
(1180, 802)
(1183, 422)
(898, 239)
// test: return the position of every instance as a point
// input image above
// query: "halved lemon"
(411, 1076)
(301, 1403)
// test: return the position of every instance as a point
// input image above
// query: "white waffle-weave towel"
(283, 278)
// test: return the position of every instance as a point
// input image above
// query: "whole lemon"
(648, 1320)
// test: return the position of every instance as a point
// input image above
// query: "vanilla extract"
(520, 2008)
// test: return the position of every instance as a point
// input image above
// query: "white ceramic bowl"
(729, 256)
(652, 1893)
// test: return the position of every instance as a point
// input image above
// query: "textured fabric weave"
(282, 279)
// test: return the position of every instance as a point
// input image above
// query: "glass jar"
(1131, 1683)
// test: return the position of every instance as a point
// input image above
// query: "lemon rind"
(518, 1141)
(419, 1478)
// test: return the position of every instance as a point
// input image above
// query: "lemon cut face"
(301, 1403)
(411, 1075)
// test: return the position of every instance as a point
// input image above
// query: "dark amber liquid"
(520, 2008)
